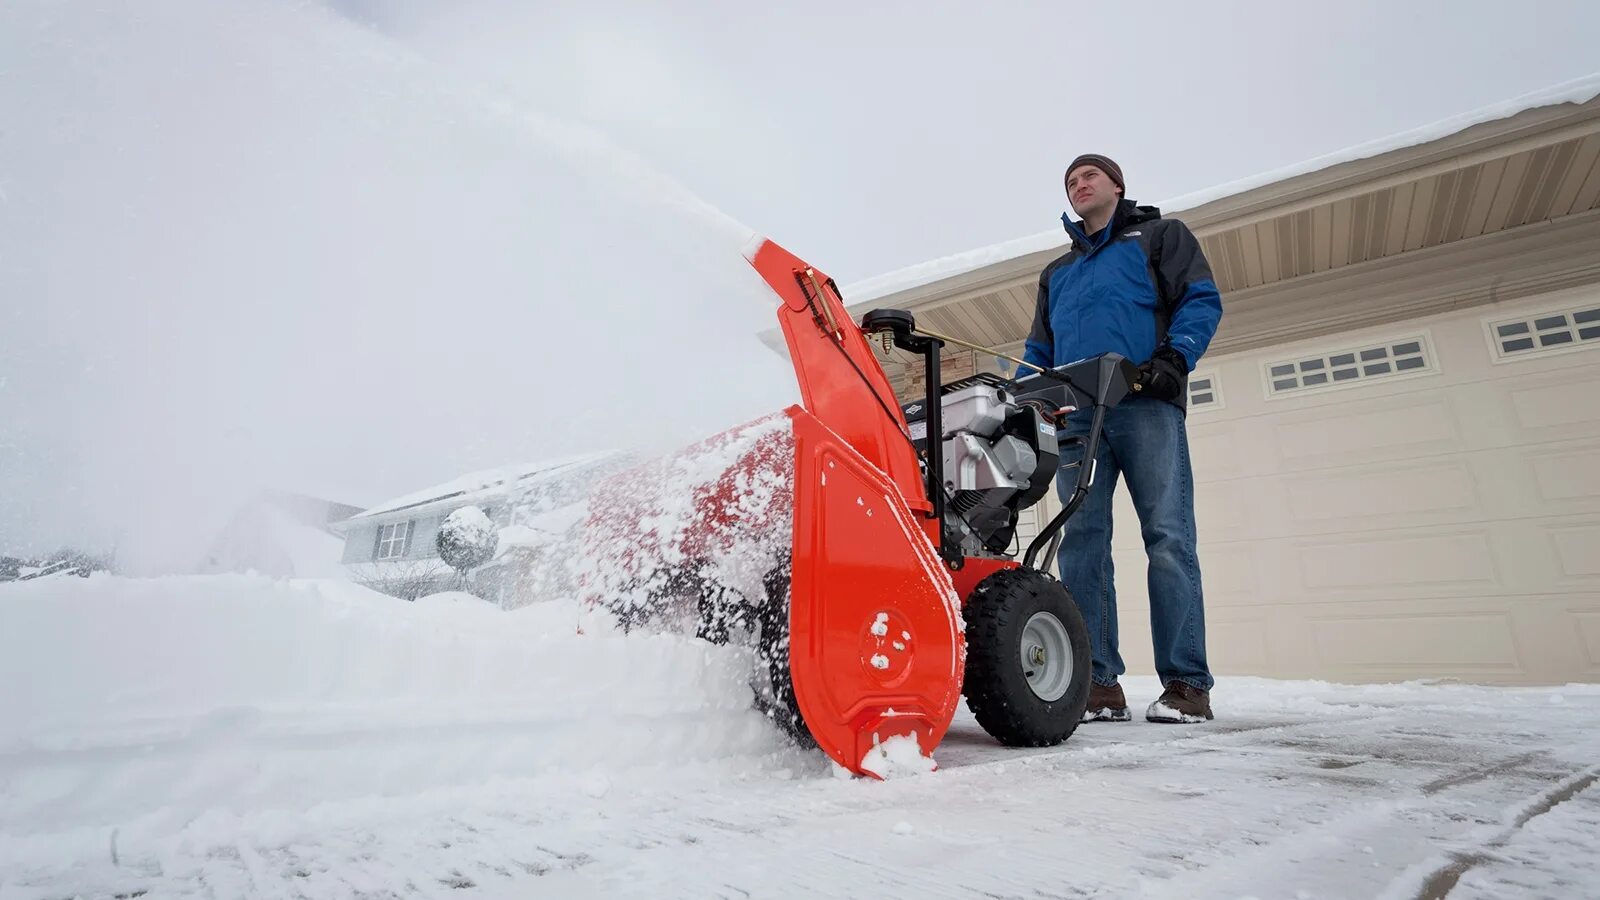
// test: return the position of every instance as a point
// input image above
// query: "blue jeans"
(1145, 441)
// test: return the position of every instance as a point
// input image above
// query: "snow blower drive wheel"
(1027, 679)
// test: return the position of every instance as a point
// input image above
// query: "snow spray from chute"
(433, 261)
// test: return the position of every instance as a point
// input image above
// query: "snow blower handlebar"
(901, 328)
(1021, 363)
(1102, 382)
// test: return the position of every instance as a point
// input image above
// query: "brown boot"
(1180, 704)
(1106, 704)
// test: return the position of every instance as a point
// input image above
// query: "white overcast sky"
(874, 135)
(356, 247)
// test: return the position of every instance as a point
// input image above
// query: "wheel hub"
(1046, 656)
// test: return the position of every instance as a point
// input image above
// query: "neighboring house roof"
(475, 487)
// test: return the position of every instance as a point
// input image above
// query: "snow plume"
(689, 541)
(253, 244)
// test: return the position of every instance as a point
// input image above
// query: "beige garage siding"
(1444, 522)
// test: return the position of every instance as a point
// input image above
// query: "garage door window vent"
(1205, 390)
(1548, 332)
(1357, 365)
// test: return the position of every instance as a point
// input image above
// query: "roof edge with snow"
(477, 486)
(1578, 91)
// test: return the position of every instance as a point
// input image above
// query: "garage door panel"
(1457, 559)
(1125, 535)
(1555, 404)
(1418, 639)
(1231, 575)
(1588, 626)
(1217, 443)
(1567, 474)
(1436, 526)
(1387, 493)
(1229, 510)
(1239, 641)
(1577, 551)
(1497, 638)
(1131, 566)
(1374, 430)
(1461, 489)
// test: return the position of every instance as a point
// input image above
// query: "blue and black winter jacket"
(1140, 283)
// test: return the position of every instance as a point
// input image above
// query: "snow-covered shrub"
(467, 539)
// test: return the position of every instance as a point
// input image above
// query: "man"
(1139, 285)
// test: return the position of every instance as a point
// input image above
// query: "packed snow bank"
(129, 697)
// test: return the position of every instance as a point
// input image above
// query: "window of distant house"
(392, 540)
(1548, 332)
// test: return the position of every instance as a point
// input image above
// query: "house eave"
(1498, 209)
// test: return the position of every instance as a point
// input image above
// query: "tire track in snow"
(1508, 765)
(1443, 880)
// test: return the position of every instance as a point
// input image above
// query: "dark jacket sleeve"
(1194, 302)
(1040, 348)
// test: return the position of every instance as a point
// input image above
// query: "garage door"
(1416, 501)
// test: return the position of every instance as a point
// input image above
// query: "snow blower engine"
(998, 452)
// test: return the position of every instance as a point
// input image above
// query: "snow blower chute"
(882, 588)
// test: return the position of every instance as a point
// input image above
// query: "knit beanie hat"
(1103, 163)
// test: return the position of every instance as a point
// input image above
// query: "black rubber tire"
(779, 702)
(996, 687)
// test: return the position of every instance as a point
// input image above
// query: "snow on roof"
(1580, 90)
(481, 482)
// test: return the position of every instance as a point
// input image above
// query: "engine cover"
(999, 458)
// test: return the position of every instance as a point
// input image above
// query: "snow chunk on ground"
(899, 756)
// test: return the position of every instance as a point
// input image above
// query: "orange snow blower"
(891, 591)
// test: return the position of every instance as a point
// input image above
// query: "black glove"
(1162, 376)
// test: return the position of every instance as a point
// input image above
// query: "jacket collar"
(1127, 213)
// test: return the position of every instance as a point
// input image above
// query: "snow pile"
(167, 697)
(896, 757)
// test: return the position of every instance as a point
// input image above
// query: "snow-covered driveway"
(1301, 791)
(267, 742)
